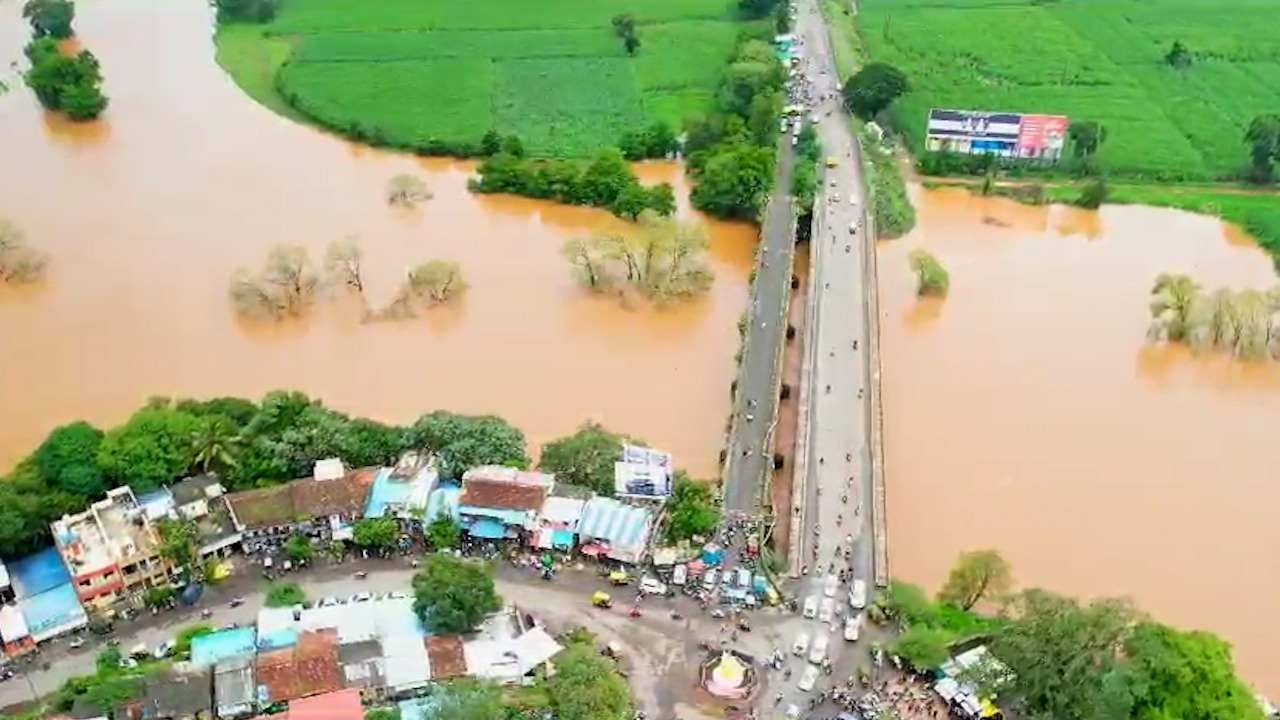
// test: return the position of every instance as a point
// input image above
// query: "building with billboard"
(1007, 135)
(643, 472)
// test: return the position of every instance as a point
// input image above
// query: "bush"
(285, 595)
(605, 182)
(1093, 194)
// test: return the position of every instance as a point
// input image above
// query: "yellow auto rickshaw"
(619, 577)
(601, 600)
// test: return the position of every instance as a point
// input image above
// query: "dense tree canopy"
(467, 699)
(152, 449)
(606, 181)
(735, 181)
(873, 89)
(376, 533)
(656, 141)
(50, 18)
(68, 460)
(692, 509)
(587, 686)
(1086, 136)
(443, 532)
(453, 595)
(924, 647)
(584, 458)
(975, 576)
(72, 84)
(1263, 137)
(465, 441)
(1184, 675)
(179, 541)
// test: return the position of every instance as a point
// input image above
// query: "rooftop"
(38, 572)
(402, 489)
(82, 542)
(172, 694)
(444, 652)
(306, 498)
(509, 660)
(263, 507)
(337, 705)
(124, 522)
(308, 668)
(501, 473)
(486, 493)
(233, 683)
(217, 647)
(363, 664)
(196, 487)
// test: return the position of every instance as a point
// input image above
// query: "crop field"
(1100, 60)
(418, 72)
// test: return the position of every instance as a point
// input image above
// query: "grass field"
(415, 72)
(1093, 60)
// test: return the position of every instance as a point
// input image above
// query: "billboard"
(642, 472)
(1011, 135)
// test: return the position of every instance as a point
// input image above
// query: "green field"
(1093, 60)
(431, 73)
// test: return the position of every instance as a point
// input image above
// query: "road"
(748, 460)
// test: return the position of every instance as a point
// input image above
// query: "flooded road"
(1025, 412)
(147, 213)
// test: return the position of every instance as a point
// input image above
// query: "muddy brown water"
(147, 213)
(1025, 412)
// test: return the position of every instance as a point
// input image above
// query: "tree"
(407, 190)
(467, 699)
(976, 575)
(178, 543)
(108, 661)
(587, 686)
(873, 89)
(1063, 656)
(931, 277)
(466, 441)
(452, 595)
(298, 548)
(19, 263)
(160, 597)
(376, 533)
(589, 260)
(284, 595)
(342, 263)
(214, 442)
(909, 604)
(491, 143)
(50, 18)
(285, 285)
(72, 84)
(390, 712)
(692, 508)
(584, 458)
(734, 181)
(1093, 194)
(443, 532)
(624, 26)
(248, 11)
(1086, 137)
(182, 641)
(924, 647)
(1178, 57)
(631, 43)
(150, 450)
(1263, 136)
(1187, 675)
(437, 280)
(758, 8)
(1173, 299)
(68, 459)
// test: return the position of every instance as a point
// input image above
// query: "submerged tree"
(437, 280)
(590, 258)
(286, 284)
(977, 575)
(342, 263)
(19, 263)
(50, 18)
(407, 190)
(931, 277)
(665, 259)
(1173, 297)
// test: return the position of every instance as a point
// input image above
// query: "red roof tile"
(340, 705)
(502, 495)
(308, 668)
(444, 654)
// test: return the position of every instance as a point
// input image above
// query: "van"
(858, 595)
(744, 578)
(801, 644)
(818, 652)
(709, 579)
(808, 679)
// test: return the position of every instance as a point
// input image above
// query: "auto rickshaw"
(619, 577)
(601, 600)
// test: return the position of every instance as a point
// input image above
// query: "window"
(130, 569)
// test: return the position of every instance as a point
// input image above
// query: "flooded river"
(147, 213)
(1025, 412)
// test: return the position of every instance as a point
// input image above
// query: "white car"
(808, 679)
(360, 597)
(858, 594)
(330, 601)
(744, 578)
(829, 587)
(679, 575)
(811, 606)
(853, 200)
(818, 652)
(709, 580)
(853, 228)
(782, 126)
(651, 586)
(852, 626)
(397, 595)
(162, 650)
(828, 610)
(801, 644)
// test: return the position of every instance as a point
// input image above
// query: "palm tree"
(1173, 299)
(215, 444)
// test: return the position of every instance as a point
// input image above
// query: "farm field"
(1100, 60)
(435, 74)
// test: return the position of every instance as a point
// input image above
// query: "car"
(679, 575)
(360, 597)
(853, 200)
(801, 644)
(329, 601)
(808, 679)
(827, 610)
(744, 578)
(814, 118)
(832, 183)
(76, 643)
(832, 583)
(710, 578)
(811, 606)
(163, 649)
(852, 626)
(818, 652)
(397, 595)
(832, 162)
(858, 594)
(128, 663)
(853, 227)
(651, 586)
(782, 126)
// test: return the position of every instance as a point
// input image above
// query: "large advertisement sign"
(1012, 135)
(643, 472)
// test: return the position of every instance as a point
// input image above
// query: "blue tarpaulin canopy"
(562, 538)
(488, 528)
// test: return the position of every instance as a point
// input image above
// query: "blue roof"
(562, 538)
(222, 645)
(284, 637)
(51, 609)
(502, 515)
(444, 499)
(620, 524)
(38, 573)
(388, 491)
(488, 528)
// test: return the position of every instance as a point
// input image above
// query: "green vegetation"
(284, 595)
(804, 179)
(246, 11)
(692, 509)
(663, 261)
(1101, 62)
(587, 685)
(50, 18)
(179, 544)
(931, 277)
(376, 533)
(443, 532)
(298, 548)
(890, 205)
(72, 84)
(182, 642)
(606, 181)
(468, 699)
(1263, 137)
(1242, 322)
(434, 77)
(873, 89)
(584, 458)
(975, 576)
(453, 595)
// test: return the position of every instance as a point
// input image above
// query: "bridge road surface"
(837, 509)
(748, 458)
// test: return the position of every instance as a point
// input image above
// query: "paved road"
(748, 460)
